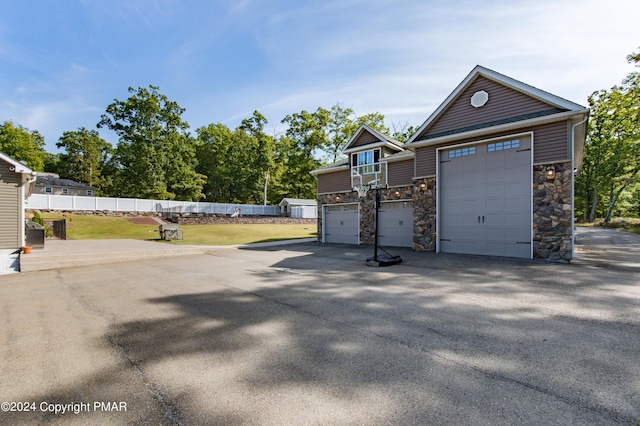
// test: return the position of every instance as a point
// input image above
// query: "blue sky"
(63, 61)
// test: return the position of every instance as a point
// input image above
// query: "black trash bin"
(35, 235)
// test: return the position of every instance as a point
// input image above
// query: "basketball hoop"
(362, 190)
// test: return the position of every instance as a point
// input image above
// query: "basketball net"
(362, 190)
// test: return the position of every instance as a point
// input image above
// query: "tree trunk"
(594, 204)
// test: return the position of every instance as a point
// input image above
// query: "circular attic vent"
(479, 98)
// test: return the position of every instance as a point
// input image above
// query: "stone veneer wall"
(367, 208)
(424, 214)
(552, 214)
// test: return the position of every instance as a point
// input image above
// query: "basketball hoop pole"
(362, 190)
(387, 259)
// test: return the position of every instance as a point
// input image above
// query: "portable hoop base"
(384, 260)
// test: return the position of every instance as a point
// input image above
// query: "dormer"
(368, 151)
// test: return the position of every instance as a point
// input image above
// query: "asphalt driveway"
(308, 334)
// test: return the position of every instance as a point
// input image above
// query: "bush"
(38, 219)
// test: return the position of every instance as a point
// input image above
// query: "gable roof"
(18, 167)
(381, 140)
(54, 180)
(556, 103)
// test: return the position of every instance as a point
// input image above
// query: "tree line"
(609, 183)
(157, 157)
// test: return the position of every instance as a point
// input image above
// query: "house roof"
(383, 140)
(298, 202)
(54, 180)
(564, 106)
(338, 165)
(18, 167)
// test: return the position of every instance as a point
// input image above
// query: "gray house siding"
(364, 139)
(551, 144)
(425, 160)
(338, 181)
(400, 173)
(9, 207)
(504, 103)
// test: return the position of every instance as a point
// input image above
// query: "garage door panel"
(341, 224)
(395, 224)
(492, 214)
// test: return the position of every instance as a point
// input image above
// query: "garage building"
(490, 172)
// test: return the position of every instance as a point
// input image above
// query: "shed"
(16, 185)
(299, 208)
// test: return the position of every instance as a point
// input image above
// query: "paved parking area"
(308, 334)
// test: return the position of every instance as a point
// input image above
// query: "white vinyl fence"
(73, 202)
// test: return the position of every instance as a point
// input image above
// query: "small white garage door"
(395, 224)
(341, 224)
(485, 198)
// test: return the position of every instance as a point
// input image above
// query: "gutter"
(573, 184)
(495, 129)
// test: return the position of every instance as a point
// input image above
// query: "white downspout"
(573, 186)
(21, 211)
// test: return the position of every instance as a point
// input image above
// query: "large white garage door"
(395, 224)
(485, 198)
(341, 224)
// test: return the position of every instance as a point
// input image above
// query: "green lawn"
(81, 227)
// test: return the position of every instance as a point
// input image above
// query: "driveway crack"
(169, 410)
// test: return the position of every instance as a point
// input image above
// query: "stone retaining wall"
(209, 219)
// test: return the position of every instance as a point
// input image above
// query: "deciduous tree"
(612, 152)
(155, 157)
(23, 145)
(85, 154)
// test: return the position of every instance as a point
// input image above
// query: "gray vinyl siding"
(364, 139)
(9, 205)
(426, 161)
(550, 145)
(400, 173)
(338, 181)
(504, 103)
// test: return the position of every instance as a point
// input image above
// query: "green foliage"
(37, 218)
(402, 132)
(155, 157)
(236, 162)
(611, 164)
(21, 144)
(84, 158)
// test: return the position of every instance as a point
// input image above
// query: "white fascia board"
(372, 146)
(18, 166)
(380, 136)
(406, 155)
(496, 129)
(529, 90)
